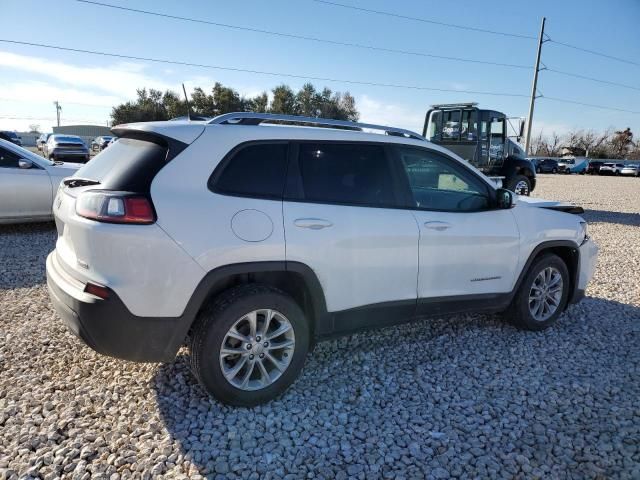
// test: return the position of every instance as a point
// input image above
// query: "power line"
(425, 20)
(304, 37)
(603, 107)
(593, 52)
(598, 80)
(347, 44)
(304, 77)
(473, 29)
(261, 72)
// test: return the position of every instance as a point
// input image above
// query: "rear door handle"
(312, 223)
(435, 225)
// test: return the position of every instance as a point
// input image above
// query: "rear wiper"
(79, 182)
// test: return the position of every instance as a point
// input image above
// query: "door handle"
(435, 225)
(312, 223)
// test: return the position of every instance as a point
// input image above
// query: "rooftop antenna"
(186, 100)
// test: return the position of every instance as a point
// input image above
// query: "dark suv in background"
(594, 167)
(545, 165)
(13, 137)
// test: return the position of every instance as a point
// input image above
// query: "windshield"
(452, 125)
(67, 139)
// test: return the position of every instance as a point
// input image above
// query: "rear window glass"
(256, 171)
(346, 173)
(128, 164)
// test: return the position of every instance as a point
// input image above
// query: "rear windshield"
(59, 138)
(128, 164)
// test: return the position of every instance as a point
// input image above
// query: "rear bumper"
(107, 326)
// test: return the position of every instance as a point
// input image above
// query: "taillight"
(115, 207)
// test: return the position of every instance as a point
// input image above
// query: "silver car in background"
(28, 184)
(632, 169)
(70, 147)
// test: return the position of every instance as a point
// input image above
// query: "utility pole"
(58, 110)
(534, 88)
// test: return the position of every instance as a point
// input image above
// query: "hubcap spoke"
(281, 345)
(265, 375)
(231, 374)
(253, 324)
(226, 351)
(233, 333)
(285, 327)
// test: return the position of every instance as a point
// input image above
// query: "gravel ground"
(466, 397)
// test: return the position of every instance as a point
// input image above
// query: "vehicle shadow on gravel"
(466, 396)
(604, 216)
(23, 254)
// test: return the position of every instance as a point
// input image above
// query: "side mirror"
(25, 163)
(505, 198)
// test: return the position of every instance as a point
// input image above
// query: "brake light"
(115, 207)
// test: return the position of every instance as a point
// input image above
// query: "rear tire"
(524, 311)
(230, 314)
(554, 170)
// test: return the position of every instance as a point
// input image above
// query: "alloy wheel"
(257, 349)
(545, 294)
(522, 188)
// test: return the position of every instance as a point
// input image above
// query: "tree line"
(153, 105)
(611, 143)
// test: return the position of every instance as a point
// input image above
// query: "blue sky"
(31, 78)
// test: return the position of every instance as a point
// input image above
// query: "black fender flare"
(217, 277)
(549, 245)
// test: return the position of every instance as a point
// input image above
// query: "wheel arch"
(567, 250)
(296, 279)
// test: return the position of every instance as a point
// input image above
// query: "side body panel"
(25, 193)
(363, 256)
(467, 253)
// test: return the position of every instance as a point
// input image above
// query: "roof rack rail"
(252, 118)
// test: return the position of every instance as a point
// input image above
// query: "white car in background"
(631, 169)
(611, 168)
(28, 184)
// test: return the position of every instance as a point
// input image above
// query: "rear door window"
(350, 174)
(257, 170)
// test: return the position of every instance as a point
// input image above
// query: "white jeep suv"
(251, 236)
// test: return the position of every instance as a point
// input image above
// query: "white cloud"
(375, 111)
(119, 79)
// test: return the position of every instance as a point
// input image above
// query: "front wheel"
(519, 184)
(555, 170)
(542, 296)
(249, 345)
